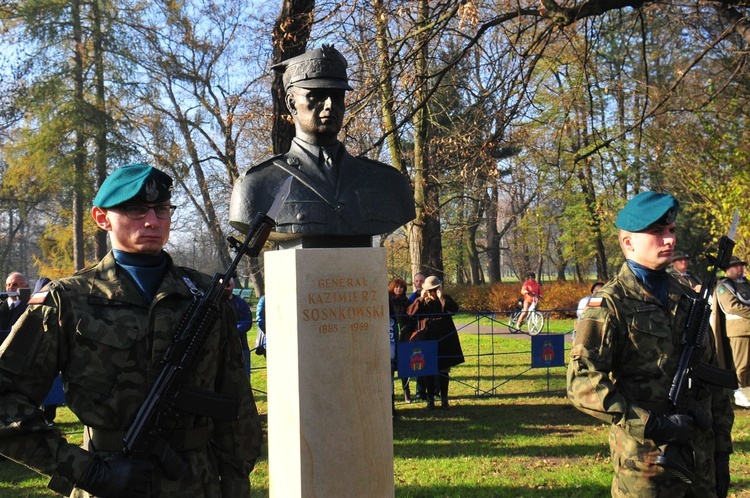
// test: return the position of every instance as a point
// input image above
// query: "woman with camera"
(434, 310)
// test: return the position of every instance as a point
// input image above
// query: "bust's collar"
(314, 150)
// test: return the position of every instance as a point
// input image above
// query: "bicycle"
(534, 319)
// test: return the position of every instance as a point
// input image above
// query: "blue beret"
(135, 181)
(645, 209)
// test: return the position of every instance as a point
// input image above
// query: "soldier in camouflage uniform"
(625, 355)
(106, 329)
(732, 326)
(679, 269)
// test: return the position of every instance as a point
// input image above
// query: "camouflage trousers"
(636, 474)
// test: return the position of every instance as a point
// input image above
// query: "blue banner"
(417, 359)
(56, 396)
(548, 351)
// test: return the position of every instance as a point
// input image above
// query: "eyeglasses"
(139, 212)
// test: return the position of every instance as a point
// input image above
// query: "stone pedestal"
(330, 431)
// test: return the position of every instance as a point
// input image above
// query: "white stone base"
(330, 430)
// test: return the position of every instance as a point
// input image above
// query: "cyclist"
(531, 291)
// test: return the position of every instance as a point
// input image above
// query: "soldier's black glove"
(118, 476)
(675, 428)
(721, 461)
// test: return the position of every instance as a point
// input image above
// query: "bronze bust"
(336, 199)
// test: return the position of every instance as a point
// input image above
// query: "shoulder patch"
(721, 289)
(39, 297)
(595, 302)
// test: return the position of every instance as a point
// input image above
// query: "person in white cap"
(434, 311)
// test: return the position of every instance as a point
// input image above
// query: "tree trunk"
(425, 242)
(100, 134)
(471, 243)
(207, 209)
(291, 33)
(289, 38)
(473, 254)
(584, 177)
(79, 151)
(561, 263)
(386, 88)
(493, 238)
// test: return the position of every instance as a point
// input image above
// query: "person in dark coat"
(11, 309)
(434, 312)
(244, 321)
(403, 324)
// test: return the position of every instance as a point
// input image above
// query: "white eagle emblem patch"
(152, 193)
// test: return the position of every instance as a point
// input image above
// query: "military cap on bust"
(680, 255)
(134, 181)
(736, 261)
(323, 67)
(645, 209)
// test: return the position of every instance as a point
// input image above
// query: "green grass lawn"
(524, 441)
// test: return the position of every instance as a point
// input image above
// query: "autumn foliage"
(559, 297)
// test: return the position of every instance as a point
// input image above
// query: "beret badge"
(152, 193)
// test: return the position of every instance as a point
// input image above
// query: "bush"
(561, 296)
(471, 297)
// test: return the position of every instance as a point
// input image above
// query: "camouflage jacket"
(733, 297)
(96, 328)
(625, 355)
(686, 278)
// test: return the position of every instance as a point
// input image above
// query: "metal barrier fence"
(489, 369)
(496, 368)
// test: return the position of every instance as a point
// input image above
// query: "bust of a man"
(336, 199)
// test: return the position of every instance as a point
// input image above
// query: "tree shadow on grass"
(534, 428)
(439, 491)
(741, 446)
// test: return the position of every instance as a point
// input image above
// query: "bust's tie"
(328, 165)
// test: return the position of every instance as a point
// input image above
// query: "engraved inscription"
(343, 304)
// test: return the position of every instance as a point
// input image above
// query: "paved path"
(499, 329)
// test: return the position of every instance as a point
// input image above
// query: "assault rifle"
(146, 437)
(23, 294)
(680, 460)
